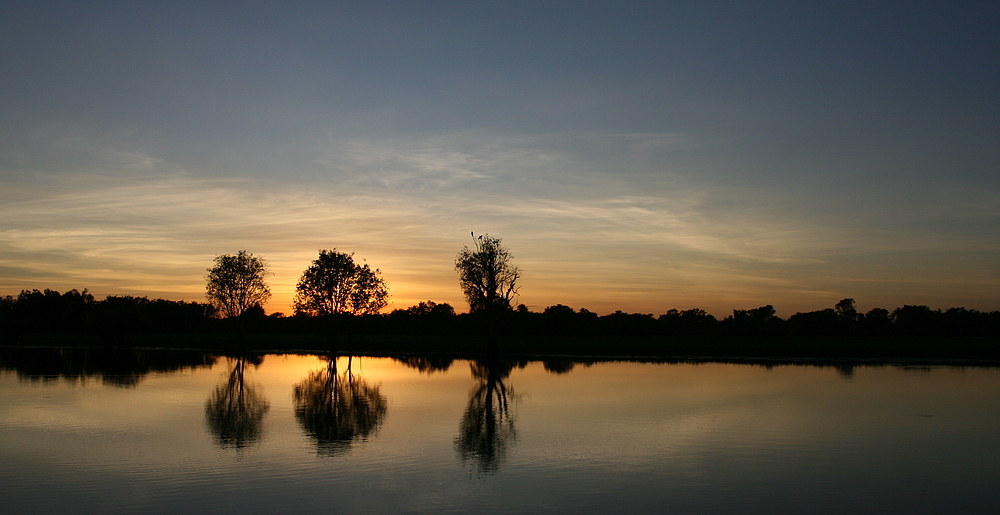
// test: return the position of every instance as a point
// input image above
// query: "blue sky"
(632, 155)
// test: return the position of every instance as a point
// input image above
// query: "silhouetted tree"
(8, 320)
(168, 316)
(235, 410)
(237, 283)
(51, 312)
(877, 322)
(842, 319)
(688, 322)
(965, 322)
(846, 311)
(486, 274)
(559, 319)
(621, 322)
(917, 320)
(424, 318)
(489, 281)
(826, 322)
(335, 284)
(119, 318)
(429, 308)
(337, 410)
(757, 321)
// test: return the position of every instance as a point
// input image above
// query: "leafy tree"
(560, 319)
(487, 276)
(877, 322)
(816, 323)
(424, 318)
(757, 321)
(236, 283)
(917, 320)
(689, 321)
(335, 284)
(429, 308)
(846, 311)
(559, 310)
(621, 322)
(489, 281)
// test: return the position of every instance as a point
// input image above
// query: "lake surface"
(173, 432)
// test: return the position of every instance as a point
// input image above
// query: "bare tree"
(335, 284)
(237, 283)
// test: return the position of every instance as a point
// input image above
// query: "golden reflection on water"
(487, 426)
(235, 410)
(389, 434)
(337, 409)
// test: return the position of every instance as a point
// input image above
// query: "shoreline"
(834, 361)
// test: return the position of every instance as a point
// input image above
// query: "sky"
(632, 155)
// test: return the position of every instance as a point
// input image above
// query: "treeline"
(120, 318)
(115, 318)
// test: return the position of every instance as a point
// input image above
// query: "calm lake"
(183, 432)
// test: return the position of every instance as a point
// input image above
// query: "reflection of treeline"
(118, 318)
(116, 367)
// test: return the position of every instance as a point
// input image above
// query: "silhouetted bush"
(424, 318)
(688, 322)
(753, 322)
(917, 321)
(824, 322)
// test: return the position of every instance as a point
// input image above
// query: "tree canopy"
(237, 283)
(487, 275)
(335, 284)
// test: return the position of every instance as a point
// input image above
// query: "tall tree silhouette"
(237, 283)
(489, 280)
(335, 284)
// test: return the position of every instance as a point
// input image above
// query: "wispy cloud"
(584, 232)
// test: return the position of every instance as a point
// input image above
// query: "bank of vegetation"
(77, 318)
(339, 305)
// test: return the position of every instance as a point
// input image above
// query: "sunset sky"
(632, 155)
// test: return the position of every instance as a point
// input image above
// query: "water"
(185, 433)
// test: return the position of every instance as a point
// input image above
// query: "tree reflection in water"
(235, 410)
(487, 427)
(426, 365)
(336, 410)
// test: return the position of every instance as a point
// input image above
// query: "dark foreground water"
(186, 433)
